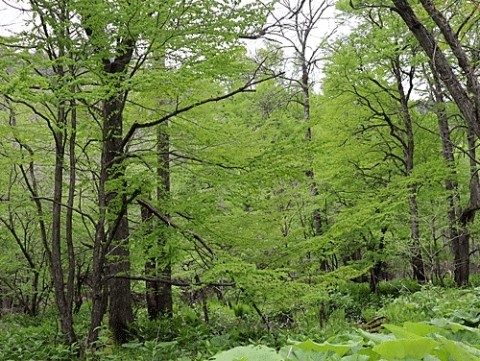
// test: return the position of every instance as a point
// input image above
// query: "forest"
(240, 180)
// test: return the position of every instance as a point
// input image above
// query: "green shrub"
(33, 338)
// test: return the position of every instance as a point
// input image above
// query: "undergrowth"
(187, 337)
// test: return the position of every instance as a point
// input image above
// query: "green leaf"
(421, 328)
(458, 351)
(356, 357)
(309, 345)
(401, 349)
(401, 332)
(376, 337)
(248, 353)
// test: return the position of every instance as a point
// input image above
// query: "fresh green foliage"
(436, 340)
(24, 338)
(280, 208)
(441, 322)
(246, 353)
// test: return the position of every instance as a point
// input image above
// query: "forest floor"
(403, 321)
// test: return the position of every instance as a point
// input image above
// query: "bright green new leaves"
(310, 350)
(424, 341)
(412, 342)
(248, 353)
(406, 348)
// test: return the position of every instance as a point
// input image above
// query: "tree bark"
(440, 63)
(159, 294)
(111, 250)
(409, 153)
(378, 271)
(120, 300)
(64, 307)
(459, 234)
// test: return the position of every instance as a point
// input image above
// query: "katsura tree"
(191, 56)
(433, 24)
(383, 78)
(193, 48)
(377, 86)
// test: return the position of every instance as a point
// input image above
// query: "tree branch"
(173, 282)
(242, 89)
(170, 223)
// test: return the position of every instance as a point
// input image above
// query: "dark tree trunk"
(99, 292)
(440, 64)
(458, 227)
(378, 271)
(417, 259)
(112, 232)
(305, 85)
(164, 299)
(409, 152)
(120, 300)
(461, 253)
(159, 294)
(63, 305)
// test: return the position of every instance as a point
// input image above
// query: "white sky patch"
(13, 16)
(328, 27)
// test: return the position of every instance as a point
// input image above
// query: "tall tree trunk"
(120, 300)
(70, 286)
(111, 249)
(99, 292)
(65, 310)
(459, 234)
(409, 153)
(417, 258)
(305, 85)
(159, 294)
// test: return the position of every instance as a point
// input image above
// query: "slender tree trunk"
(417, 259)
(159, 294)
(409, 153)
(99, 292)
(458, 229)
(305, 85)
(164, 299)
(66, 318)
(378, 271)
